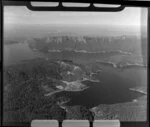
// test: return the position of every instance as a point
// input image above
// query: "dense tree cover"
(86, 113)
(79, 113)
(24, 98)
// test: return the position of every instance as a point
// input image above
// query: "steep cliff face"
(85, 44)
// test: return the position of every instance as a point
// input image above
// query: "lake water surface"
(113, 87)
(14, 53)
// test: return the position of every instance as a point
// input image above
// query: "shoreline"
(57, 91)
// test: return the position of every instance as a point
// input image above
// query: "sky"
(22, 21)
(21, 15)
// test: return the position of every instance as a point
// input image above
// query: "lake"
(14, 53)
(114, 87)
(114, 82)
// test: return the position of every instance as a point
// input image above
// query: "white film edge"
(75, 123)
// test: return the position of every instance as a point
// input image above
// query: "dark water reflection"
(113, 88)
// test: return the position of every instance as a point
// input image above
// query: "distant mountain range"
(85, 44)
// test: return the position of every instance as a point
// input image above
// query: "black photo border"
(132, 3)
